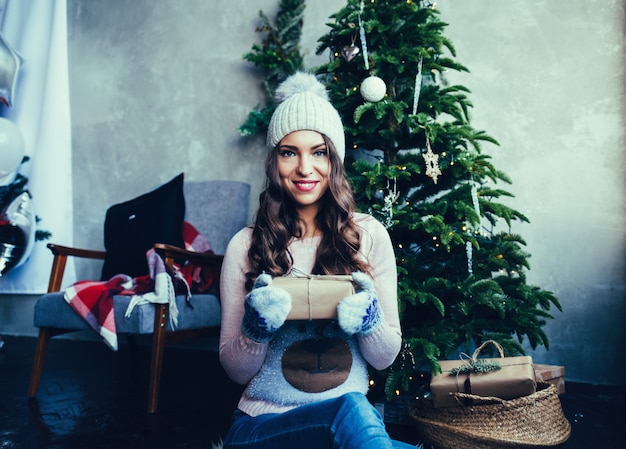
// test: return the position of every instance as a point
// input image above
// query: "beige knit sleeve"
(381, 347)
(240, 356)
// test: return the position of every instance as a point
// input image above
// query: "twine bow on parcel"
(315, 297)
(475, 365)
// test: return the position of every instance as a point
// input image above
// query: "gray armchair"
(218, 209)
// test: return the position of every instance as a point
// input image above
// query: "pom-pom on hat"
(303, 104)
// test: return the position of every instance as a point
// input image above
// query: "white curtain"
(37, 30)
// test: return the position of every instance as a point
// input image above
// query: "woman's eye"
(287, 153)
(320, 153)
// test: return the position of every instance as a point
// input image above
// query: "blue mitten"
(360, 313)
(266, 309)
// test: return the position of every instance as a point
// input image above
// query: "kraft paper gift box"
(515, 378)
(315, 297)
(551, 374)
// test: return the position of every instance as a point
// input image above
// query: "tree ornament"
(388, 202)
(469, 251)
(475, 200)
(418, 86)
(432, 162)
(349, 52)
(373, 89)
(10, 65)
(363, 40)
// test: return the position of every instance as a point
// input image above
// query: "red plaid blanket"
(93, 300)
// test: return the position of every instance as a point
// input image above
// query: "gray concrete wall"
(547, 80)
(159, 87)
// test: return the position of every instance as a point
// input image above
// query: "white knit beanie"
(303, 104)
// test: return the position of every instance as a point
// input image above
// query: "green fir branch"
(277, 57)
(476, 366)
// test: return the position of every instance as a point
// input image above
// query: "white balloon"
(11, 147)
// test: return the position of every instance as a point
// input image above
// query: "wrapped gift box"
(552, 374)
(515, 378)
(315, 297)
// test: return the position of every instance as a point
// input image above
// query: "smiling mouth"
(305, 186)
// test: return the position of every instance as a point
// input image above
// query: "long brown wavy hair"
(277, 223)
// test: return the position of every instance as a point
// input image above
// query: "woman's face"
(304, 167)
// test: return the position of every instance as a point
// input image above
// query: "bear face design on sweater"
(317, 364)
(309, 361)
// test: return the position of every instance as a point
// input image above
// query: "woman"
(306, 223)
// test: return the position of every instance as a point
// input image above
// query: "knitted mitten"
(266, 309)
(360, 313)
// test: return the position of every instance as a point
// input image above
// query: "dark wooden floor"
(91, 397)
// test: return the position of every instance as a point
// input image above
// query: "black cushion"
(133, 227)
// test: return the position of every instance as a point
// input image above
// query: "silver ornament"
(10, 65)
(349, 52)
(17, 232)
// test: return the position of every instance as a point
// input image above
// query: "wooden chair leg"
(158, 347)
(45, 335)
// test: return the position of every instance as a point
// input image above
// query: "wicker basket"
(531, 421)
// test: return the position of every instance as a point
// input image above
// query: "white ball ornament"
(373, 89)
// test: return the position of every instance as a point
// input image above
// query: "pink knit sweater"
(242, 358)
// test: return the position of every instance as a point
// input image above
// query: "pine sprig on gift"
(476, 366)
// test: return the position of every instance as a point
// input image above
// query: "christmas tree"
(418, 165)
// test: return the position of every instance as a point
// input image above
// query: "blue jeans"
(346, 422)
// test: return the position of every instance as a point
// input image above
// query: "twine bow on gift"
(475, 365)
(307, 290)
(312, 278)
